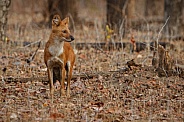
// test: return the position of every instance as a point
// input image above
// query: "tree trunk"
(174, 8)
(4, 6)
(154, 8)
(116, 12)
(63, 8)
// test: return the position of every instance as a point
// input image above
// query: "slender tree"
(116, 12)
(4, 6)
(63, 8)
(174, 9)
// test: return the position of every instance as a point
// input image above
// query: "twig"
(32, 57)
(148, 29)
(45, 78)
(102, 51)
(161, 31)
(27, 45)
(3, 81)
(165, 72)
(180, 66)
(72, 23)
(32, 43)
(121, 32)
(74, 29)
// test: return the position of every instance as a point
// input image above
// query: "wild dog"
(59, 56)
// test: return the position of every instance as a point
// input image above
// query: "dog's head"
(60, 28)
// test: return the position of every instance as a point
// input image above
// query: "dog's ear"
(65, 21)
(56, 20)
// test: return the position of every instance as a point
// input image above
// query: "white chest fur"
(57, 48)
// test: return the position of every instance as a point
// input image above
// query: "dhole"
(59, 56)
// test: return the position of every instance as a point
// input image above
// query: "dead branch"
(161, 31)
(132, 63)
(180, 66)
(32, 57)
(45, 80)
(163, 63)
(118, 45)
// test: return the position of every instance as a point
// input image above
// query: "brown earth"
(117, 93)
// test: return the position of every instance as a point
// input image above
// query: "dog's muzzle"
(70, 39)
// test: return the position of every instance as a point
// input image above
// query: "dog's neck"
(56, 48)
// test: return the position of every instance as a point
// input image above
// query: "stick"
(180, 66)
(45, 78)
(161, 31)
(32, 43)
(32, 57)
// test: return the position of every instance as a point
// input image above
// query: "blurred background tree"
(132, 13)
(4, 6)
(116, 12)
(63, 8)
(174, 9)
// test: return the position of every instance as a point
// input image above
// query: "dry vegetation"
(115, 93)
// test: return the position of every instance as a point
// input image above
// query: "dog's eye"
(64, 31)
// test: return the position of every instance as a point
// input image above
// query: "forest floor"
(116, 94)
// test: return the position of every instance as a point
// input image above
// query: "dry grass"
(132, 95)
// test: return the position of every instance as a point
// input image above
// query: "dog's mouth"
(68, 40)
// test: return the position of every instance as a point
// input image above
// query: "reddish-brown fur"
(59, 56)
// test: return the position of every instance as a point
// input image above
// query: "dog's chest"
(56, 49)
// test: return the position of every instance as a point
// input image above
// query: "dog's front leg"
(62, 81)
(51, 84)
(69, 76)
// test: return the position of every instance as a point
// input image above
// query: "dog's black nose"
(72, 38)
